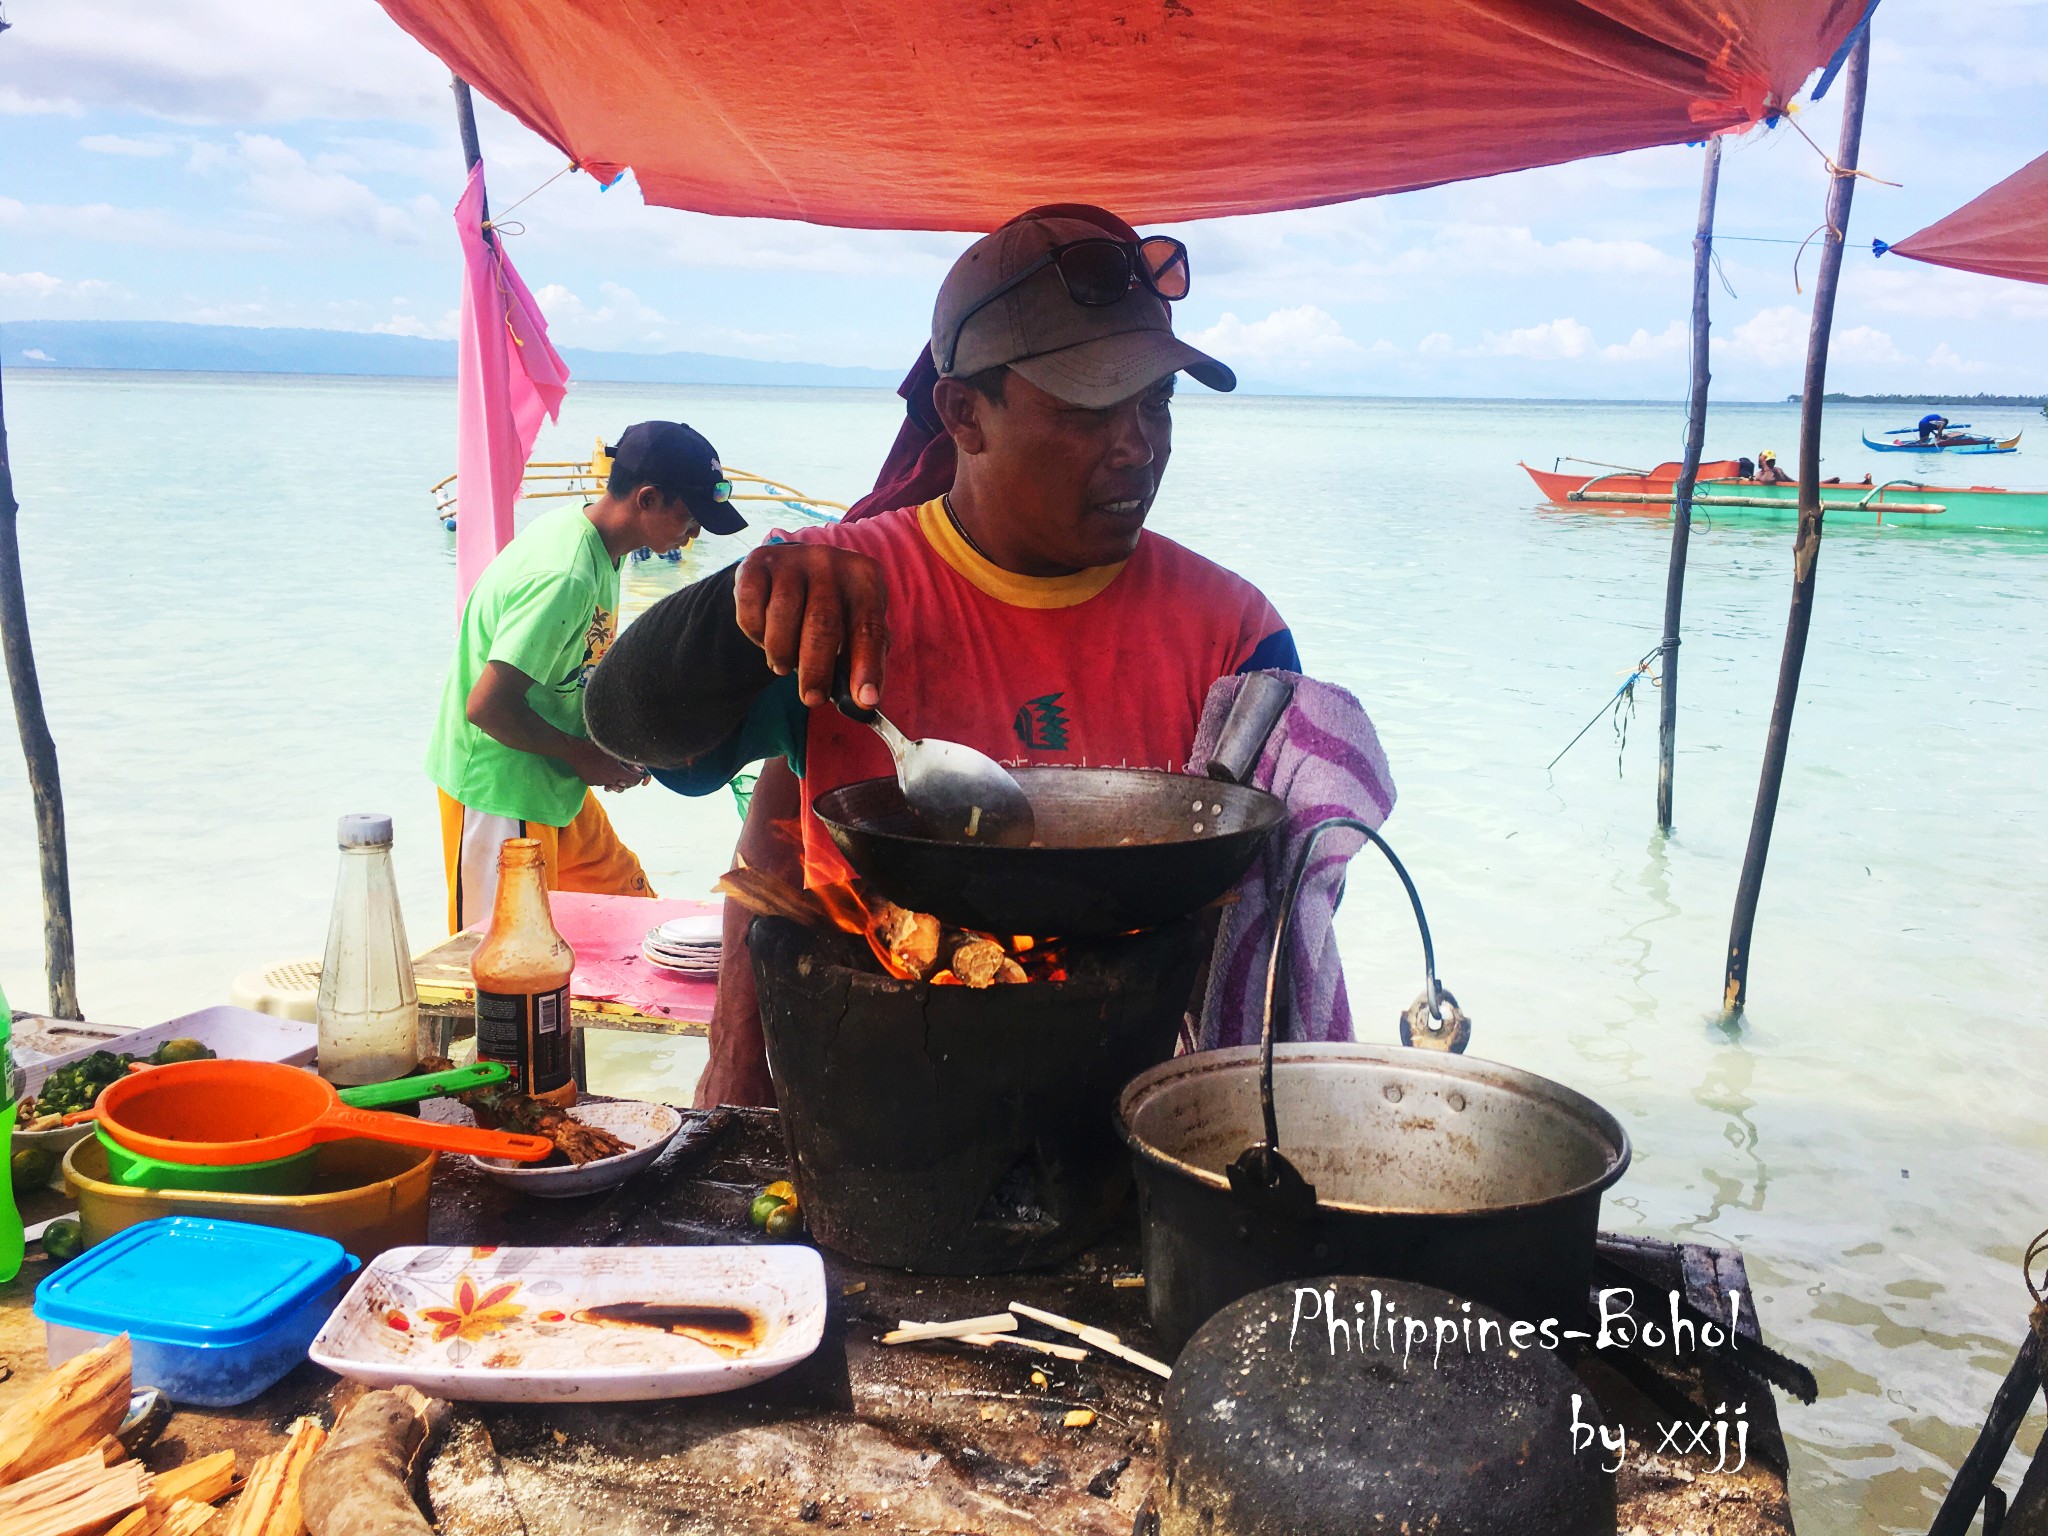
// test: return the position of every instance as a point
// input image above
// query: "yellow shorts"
(586, 855)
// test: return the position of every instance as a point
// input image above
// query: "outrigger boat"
(1721, 493)
(548, 478)
(1952, 441)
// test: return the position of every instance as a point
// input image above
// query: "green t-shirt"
(548, 605)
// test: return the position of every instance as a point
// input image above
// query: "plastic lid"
(186, 1280)
(365, 831)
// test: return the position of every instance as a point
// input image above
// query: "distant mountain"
(163, 345)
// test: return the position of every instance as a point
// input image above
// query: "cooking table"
(862, 1436)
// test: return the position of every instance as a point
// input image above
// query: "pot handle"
(1436, 1012)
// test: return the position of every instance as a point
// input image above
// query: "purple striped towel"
(1323, 759)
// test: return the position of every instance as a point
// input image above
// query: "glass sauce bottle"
(368, 1009)
(522, 971)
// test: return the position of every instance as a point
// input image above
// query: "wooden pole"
(465, 124)
(1806, 543)
(60, 961)
(1681, 510)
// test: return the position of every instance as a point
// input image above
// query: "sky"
(293, 163)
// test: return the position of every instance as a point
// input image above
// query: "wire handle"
(1279, 965)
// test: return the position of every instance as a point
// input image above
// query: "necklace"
(953, 517)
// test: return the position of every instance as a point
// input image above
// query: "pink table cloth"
(606, 932)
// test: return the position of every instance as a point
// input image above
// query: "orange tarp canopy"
(955, 114)
(2002, 232)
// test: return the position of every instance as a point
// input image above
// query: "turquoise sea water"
(242, 603)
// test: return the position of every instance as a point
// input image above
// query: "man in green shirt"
(510, 752)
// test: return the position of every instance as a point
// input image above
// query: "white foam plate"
(526, 1325)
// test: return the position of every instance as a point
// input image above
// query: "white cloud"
(1287, 340)
(1436, 344)
(1776, 335)
(103, 222)
(1552, 341)
(1863, 344)
(1643, 347)
(404, 323)
(1945, 359)
(232, 61)
(283, 185)
(37, 355)
(116, 144)
(25, 294)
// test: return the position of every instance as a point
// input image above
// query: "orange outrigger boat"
(1721, 491)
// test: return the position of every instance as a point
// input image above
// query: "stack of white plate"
(687, 945)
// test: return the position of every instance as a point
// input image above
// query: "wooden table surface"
(866, 1437)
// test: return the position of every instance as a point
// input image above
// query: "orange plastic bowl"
(253, 1111)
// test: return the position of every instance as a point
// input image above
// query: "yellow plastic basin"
(366, 1195)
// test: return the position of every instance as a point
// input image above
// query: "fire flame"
(851, 912)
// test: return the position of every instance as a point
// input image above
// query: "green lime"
(184, 1048)
(33, 1167)
(63, 1241)
(784, 1221)
(764, 1206)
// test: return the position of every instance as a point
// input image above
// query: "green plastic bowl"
(279, 1176)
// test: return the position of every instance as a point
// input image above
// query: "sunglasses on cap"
(1097, 272)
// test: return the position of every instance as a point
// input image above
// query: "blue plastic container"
(217, 1310)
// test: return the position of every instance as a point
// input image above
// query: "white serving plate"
(516, 1325)
(709, 928)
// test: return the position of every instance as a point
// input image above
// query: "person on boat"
(510, 754)
(1932, 426)
(1027, 611)
(1767, 471)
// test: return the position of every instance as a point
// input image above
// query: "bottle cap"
(365, 832)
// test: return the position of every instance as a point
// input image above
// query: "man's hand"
(599, 769)
(806, 606)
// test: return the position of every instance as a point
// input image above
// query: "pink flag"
(507, 376)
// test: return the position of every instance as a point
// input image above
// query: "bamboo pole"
(472, 148)
(1681, 516)
(60, 961)
(1806, 543)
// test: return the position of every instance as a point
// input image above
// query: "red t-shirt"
(1108, 667)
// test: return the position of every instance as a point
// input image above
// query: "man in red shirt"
(1027, 613)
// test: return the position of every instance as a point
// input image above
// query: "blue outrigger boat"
(1948, 442)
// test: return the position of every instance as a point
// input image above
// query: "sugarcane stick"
(359, 1484)
(1101, 1338)
(68, 1412)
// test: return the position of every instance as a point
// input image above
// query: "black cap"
(678, 461)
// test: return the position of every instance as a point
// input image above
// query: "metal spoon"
(961, 795)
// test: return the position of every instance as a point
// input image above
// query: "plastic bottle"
(10, 1216)
(522, 971)
(368, 1009)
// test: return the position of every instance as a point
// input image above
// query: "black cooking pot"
(1266, 1163)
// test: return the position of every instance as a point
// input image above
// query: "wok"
(1116, 849)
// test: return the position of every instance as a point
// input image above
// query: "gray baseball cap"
(1091, 356)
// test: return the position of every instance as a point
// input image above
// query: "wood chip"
(1101, 1338)
(909, 1332)
(73, 1497)
(1128, 1283)
(68, 1412)
(269, 1503)
(1079, 1418)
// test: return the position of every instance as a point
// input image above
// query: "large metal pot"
(1468, 1175)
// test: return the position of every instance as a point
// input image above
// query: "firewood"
(765, 896)
(269, 1504)
(76, 1496)
(68, 1412)
(359, 1483)
(185, 1517)
(202, 1481)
